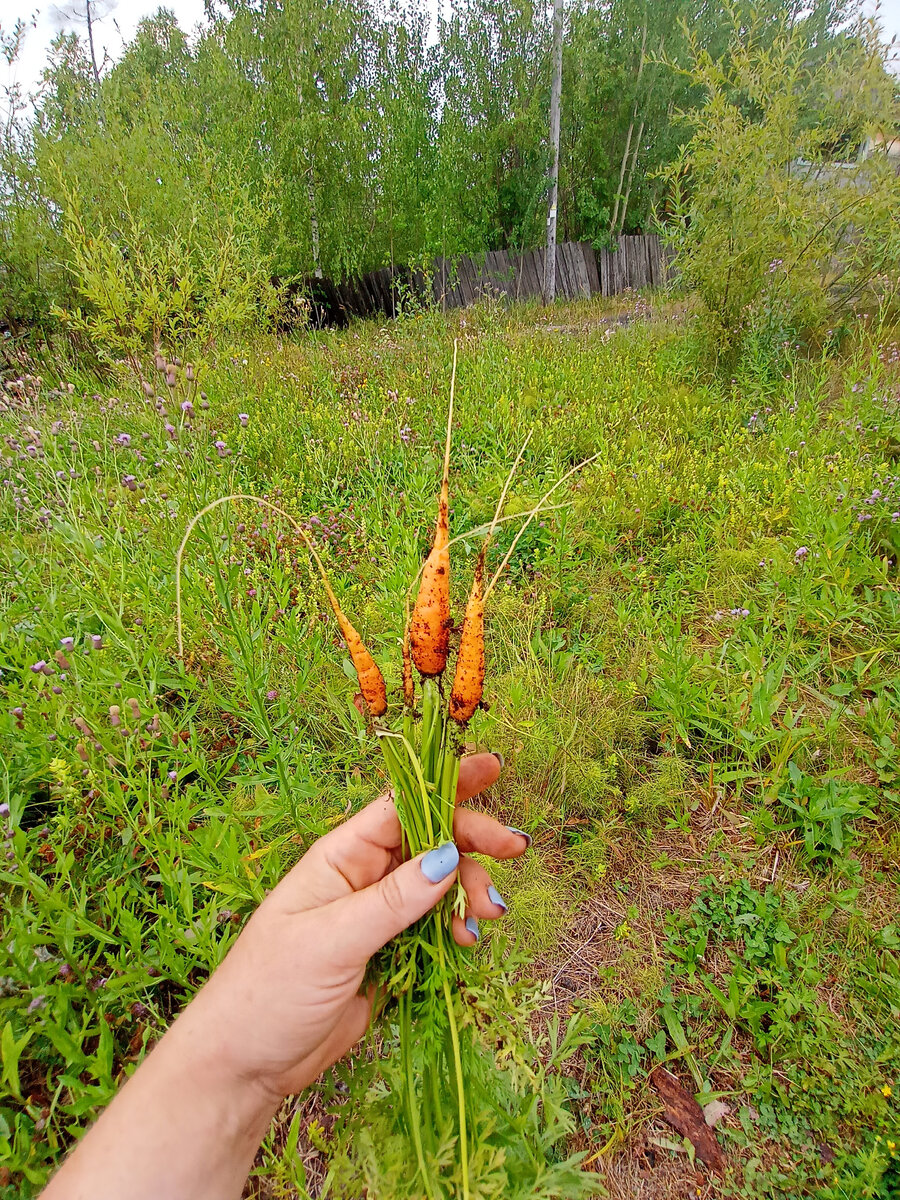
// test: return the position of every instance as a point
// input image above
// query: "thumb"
(365, 921)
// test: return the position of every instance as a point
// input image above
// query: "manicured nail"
(495, 898)
(472, 926)
(437, 864)
(499, 757)
(521, 832)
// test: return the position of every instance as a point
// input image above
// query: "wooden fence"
(638, 262)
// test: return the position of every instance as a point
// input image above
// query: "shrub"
(778, 233)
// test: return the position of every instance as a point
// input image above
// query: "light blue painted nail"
(495, 898)
(499, 757)
(521, 832)
(437, 864)
(472, 926)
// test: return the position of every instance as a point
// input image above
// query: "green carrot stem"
(457, 1066)
(415, 1122)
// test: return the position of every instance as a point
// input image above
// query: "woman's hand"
(285, 1003)
(283, 1006)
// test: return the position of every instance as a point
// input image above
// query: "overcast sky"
(117, 28)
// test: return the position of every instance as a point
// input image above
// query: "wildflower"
(38, 667)
(800, 553)
(189, 373)
(64, 971)
(97, 641)
(170, 429)
(173, 775)
(36, 1003)
(4, 810)
(187, 408)
(171, 380)
(244, 418)
(272, 694)
(221, 449)
(123, 439)
(886, 1091)
(405, 434)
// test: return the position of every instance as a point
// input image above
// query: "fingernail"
(438, 863)
(495, 898)
(499, 757)
(521, 832)
(472, 926)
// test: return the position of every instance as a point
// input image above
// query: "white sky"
(111, 33)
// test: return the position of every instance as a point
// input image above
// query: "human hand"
(285, 1004)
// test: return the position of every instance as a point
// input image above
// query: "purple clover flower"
(38, 667)
(187, 408)
(244, 418)
(123, 439)
(800, 553)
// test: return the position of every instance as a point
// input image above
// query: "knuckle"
(392, 894)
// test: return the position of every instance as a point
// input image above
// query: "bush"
(780, 235)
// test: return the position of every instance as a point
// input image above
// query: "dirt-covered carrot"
(429, 627)
(468, 682)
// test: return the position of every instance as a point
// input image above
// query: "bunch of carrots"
(422, 756)
(422, 759)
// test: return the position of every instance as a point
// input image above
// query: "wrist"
(204, 1052)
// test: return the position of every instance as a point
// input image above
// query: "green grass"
(692, 674)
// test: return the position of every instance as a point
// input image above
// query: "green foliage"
(182, 292)
(342, 135)
(777, 231)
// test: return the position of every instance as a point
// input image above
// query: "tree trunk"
(313, 225)
(637, 146)
(90, 33)
(615, 216)
(555, 93)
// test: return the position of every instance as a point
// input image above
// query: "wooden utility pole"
(555, 91)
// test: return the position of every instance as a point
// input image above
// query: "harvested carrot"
(429, 628)
(371, 681)
(468, 682)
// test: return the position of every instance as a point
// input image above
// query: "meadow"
(693, 678)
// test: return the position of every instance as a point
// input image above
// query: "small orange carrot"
(429, 628)
(468, 682)
(371, 681)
